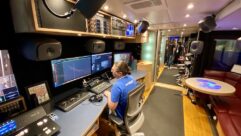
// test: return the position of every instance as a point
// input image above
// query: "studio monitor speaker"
(207, 24)
(196, 47)
(142, 27)
(95, 46)
(118, 45)
(41, 49)
(89, 7)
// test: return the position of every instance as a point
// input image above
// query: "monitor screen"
(8, 86)
(130, 30)
(122, 57)
(101, 62)
(70, 69)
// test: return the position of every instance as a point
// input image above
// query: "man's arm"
(112, 106)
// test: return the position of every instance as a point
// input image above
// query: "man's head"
(120, 69)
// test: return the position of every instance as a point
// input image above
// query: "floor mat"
(167, 76)
(163, 113)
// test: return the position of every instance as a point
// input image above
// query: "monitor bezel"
(111, 53)
(56, 86)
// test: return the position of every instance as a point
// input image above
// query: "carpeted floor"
(167, 76)
(163, 113)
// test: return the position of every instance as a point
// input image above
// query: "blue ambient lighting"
(208, 84)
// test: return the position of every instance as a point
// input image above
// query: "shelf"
(33, 17)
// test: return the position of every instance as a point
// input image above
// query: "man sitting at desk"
(117, 97)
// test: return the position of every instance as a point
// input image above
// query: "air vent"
(130, 1)
(140, 5)
(156, 2)
(145, 4)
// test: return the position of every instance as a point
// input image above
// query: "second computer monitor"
(101, 62)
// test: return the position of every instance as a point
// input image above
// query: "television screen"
(8, 86)
(126, 57)
(130, 30)
(70, 69)
(101, 62)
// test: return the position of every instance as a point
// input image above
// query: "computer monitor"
(101, 62)
(130, 30)
(125, 56)
(8, 86)
(70, 69)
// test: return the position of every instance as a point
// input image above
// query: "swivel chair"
(133, 117)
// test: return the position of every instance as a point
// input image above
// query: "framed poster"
(40, 91)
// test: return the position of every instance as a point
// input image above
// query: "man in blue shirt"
(117, 97)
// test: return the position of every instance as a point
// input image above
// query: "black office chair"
(134, 117)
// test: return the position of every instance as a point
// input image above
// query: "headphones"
(96, 98)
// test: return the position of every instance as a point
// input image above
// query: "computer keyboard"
(72, 101)
(100, 87)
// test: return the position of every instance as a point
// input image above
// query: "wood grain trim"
(35, 20)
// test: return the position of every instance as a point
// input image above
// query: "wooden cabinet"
(146, 66)
(31, 16)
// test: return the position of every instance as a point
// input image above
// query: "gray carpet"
(163, 113)
(167, 76)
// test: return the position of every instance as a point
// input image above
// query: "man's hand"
(107, 93)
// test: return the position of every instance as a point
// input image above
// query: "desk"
(80, 120)
(210, 86)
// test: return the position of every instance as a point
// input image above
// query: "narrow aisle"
(163, 113)
(168, 77)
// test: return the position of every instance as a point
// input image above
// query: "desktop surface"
(79, 120)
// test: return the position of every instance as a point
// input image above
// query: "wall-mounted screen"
(101, 62)
(8, 86)
(70, 69)
(130, 30)
(126, 57)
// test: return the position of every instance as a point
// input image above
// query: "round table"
(210, 86)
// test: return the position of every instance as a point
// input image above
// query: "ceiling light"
(135, 21)
(185, 25)
(239, 39)
(187, 16)
(169, 30)
(106, 7)
(124, 16)
(190, 6)
(235, 28)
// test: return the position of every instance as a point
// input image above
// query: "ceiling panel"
(231, 21)
(170, 14)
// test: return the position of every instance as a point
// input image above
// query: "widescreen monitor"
(70, 69)
(101, 62)
(126, 57)
(8, 86)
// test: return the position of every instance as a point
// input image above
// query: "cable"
(66, 15)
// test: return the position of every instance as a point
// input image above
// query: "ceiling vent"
(139, 4)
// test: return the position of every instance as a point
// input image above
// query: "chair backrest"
(134, 117)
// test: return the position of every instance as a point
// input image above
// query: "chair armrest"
(116, 120)
(136, 112)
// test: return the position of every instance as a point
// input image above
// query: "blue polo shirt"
(119, 93)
